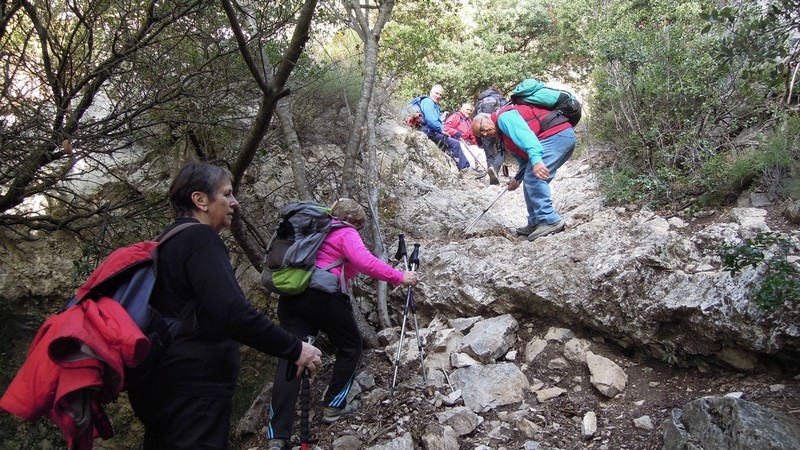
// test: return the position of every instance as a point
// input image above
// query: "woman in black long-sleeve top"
(185, 403)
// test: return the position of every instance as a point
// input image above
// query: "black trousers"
(494, 154)
(305, 315)
(183, 422)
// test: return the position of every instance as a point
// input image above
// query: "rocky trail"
(535, 387)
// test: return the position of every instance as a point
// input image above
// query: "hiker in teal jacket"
(433, 127)
(539, 153)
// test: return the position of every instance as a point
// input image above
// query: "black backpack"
(490, 103)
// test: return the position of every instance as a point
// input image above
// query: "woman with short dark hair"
(185, 402)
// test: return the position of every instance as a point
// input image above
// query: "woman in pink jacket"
(314, 310)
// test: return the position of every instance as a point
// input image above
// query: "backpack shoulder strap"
(166, 235)
(187, 309)
(340, 261)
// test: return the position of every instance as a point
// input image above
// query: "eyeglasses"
(483, 131)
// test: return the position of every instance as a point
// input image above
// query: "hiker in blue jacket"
(433, 127)
(539, 153)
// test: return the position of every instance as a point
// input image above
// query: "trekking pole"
(484, 211)
(305, 403)
(410, 264)
(466, 146)
(401, 254)
(413, 260)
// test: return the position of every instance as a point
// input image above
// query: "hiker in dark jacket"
(185, 403)
(539, 153)
(314, 310)
(488, 102)
(433, 127)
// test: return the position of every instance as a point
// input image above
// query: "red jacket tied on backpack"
(74, 366)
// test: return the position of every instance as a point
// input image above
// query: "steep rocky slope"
(643, 289)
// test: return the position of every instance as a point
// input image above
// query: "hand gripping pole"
(410, 263)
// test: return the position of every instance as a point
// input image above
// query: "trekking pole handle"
(413, 260)
(310, 339)
(401, 247)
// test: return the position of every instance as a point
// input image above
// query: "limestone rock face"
(633, 276)
(730, 423)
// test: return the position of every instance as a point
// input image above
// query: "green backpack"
(289, 264)
(563, 105)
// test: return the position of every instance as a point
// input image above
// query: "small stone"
(644, 422)
(589, 425)
(549, 393)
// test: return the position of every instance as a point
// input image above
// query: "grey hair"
(195, 176)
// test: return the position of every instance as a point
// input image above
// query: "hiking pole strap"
(413, 260)
(305, 403)
(401, 249)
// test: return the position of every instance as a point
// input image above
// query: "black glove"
(458, 135)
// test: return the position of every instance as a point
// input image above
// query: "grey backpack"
(289, 264)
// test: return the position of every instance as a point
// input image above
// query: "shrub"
(781, 281)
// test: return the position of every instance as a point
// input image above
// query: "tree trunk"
(284, 113)
(359, 22)
(372, 201)
(272, 91)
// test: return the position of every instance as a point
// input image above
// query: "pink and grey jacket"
(345, 243)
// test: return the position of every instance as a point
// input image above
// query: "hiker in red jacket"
(459, 124)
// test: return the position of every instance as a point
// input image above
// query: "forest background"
(694, 103)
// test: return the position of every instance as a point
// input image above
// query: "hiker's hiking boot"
(493, 177)
(526, 230)
(276, 444)
(331, 414)
(479, 173)
(544, 230)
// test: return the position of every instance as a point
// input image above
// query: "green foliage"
(774, 163)
(670, 355)
(476, 44)
(758, 35)
(671, 103)
(781, 280)
(626, 186)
